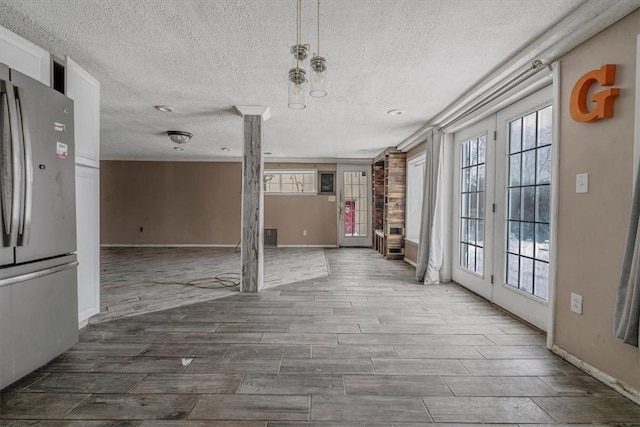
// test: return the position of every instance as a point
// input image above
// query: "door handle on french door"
(23, 236)
(16, 161)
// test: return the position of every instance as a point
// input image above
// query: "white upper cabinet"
(85, 92)
(24, 56)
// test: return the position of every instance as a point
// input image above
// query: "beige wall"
(592, 226)
(291, 215)
(199, 203)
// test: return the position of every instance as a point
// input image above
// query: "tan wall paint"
(291, 215)
(199, 203)
(592, 226)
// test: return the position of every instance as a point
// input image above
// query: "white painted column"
(252, 243)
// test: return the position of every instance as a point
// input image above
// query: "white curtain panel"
(430, 256)
(627, 309)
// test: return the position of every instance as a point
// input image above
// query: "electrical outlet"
(576, 303)
(304, 232)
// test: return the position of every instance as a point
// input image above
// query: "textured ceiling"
(202, 57)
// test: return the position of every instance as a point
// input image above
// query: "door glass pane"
(529, 203)
(526, 239)
(514, 203)
(541, 280)
(528, 167)
(543, 203)
(544, 126)
(355, 208)
(543, 168)
(513, 270)
(515, 136)
(529, 131)
(514, 169)
(472, 198)
(463, 255)
(542, 242)
(526, 275)
(513, 231)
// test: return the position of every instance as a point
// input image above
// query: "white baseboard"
(166, 245)
(408, 261)
(596, 373)
(83, 323)
(307, 246)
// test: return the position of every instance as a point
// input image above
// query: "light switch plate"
(576, 303)
(582, 183)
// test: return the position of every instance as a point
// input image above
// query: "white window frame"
(313, 187)
(413, 206)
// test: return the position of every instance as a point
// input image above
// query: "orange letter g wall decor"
(605, 76)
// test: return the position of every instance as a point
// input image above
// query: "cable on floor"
(222, 280)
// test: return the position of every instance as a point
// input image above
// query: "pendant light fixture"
(319, 69)
(298, 74)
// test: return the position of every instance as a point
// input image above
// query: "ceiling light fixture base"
(300, 51)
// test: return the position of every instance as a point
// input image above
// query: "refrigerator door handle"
(36, 274)
(25, 224)
(11, 237)
(7, 169)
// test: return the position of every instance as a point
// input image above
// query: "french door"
(503, 207)
(474, 160)
(354, 203)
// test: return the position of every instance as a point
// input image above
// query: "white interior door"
(354, 205)
(473, 220)
(502, 207)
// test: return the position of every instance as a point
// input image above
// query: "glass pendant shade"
(297, 80)
(318, 77)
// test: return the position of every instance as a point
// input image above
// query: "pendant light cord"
(318, 27)
(298, 29)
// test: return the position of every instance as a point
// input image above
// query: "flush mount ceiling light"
(163, 108)
(395, 112)
(226, 149)
(179, 137)
(178, 148)
(298, 74)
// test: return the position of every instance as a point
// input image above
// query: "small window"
(290, 181)
(415, 190)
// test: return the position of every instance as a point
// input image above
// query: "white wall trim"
(596, 373)
(555, 184)
(237, 159)
(636, 145)
(307, 246)
(408, 261)
(166, 245)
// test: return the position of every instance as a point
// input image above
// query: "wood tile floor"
(365, 346)
(144, 280)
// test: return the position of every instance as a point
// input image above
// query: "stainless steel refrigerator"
(38, 289)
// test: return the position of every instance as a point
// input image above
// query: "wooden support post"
(252, 243)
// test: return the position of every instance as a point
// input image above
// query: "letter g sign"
(605, 76)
